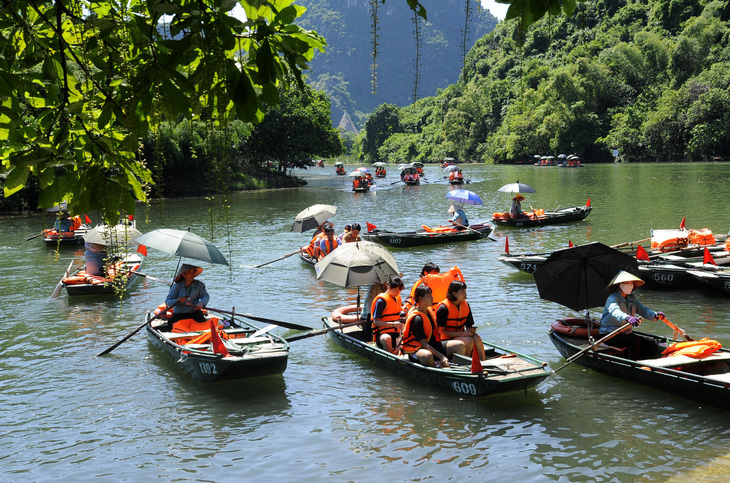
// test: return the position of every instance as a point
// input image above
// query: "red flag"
(371, 227)
(131, 218)
(142, 250)
(218, 346)
(588, 203)
(707, 258)
(641, 254)
(476, 364)
(506, 245)
(681, 225)
(570, 244)
(88, 220)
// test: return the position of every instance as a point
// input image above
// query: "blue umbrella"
(464, 196)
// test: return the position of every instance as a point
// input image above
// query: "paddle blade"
(641, 254)
(370, 226)
(218, 346)
(506, 245)
(476, 364)
(707, 258)
(681, 225)
(142, 250)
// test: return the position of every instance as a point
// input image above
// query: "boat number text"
(664, 277)
(394, 241)
(208, 368)
(528, 267)
(464, 388)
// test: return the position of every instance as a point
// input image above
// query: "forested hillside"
(344, 71)
(648, 78)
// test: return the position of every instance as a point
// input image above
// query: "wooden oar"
(630, 243)
(59, 286)
(34, 236)
(288, 325)
(575, 356)
(676, 329)
(472, 229)
(321, 331)
(137, 330)
(144, 275)
(536, 217)
(394, 182)
(280, 258)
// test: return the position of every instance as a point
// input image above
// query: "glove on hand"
(659, 315)
(633, 321)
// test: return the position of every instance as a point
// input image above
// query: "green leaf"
(244, 97)
(16, 180)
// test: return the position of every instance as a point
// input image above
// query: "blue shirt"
(196, 292)
(460, 218)
(618, 309)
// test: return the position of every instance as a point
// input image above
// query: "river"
(132, 415)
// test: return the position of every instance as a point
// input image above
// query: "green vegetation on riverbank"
(650, 79)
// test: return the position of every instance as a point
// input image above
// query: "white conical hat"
(622, 277)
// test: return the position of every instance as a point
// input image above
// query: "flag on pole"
(570, 244)
(218, 346)
(370, 226)
(707, 258)
(681, 225)
(641, 254)
(142, 250)
(476, 364)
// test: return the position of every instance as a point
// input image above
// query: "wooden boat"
(417, 238)
(527, 263)
(52, 237)
(706, 380)
(717, 280)
(361, 189)
(307, 258)
(565, 215)
(504, 370)
(456, 181)
(81, 283)
(250, 355)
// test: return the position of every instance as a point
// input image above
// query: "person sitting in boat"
(623, 306)
(313, 248)
(345, 231)
(353, 235)
(95, 255)
(458, 219)
(421, 338)
(190, 293)
(327, 243)
(438, 282)
(515, 211)
(455, 320)
(64, 223)
(386, 313)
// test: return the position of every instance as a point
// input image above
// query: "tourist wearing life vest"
(328, 243)
(623, 306)
(313, 248)
(455, 320)
(386, 313)
(432, 277)
(190, 293)
(421, 340)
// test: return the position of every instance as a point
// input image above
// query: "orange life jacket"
(390, 314)
(456, 319)
(438, 283)
(410, 344)
(327, 247)
(696, 349)
(313, 247)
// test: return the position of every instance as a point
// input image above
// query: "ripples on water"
(333, 416)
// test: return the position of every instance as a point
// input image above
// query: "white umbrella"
(450, 168)
(121, 234)
(517, 188)
(358, 263)
(183, 243)
(312, 217)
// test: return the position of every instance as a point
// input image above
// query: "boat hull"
(412, 239)
(132, 263)
(714, 390)
(566, 215)
(257, 361)
(458, 379)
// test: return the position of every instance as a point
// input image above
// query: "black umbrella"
(577, 277)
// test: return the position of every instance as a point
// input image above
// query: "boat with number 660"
(503, 370)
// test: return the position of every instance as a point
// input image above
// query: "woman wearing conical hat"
(622, 306)
(515, 211)
(191, 294)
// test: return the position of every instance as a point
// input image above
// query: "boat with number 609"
(503, 370)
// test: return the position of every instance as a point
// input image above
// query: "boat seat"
(684, 360)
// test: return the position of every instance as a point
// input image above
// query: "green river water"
(133, 416)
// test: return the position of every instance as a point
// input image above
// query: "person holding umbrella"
(191, 294)
(623, 306)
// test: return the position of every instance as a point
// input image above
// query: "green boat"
(503, 370)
